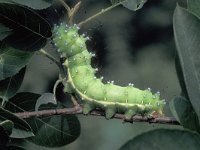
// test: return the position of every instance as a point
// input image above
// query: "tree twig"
(73, 12)
(56, 85)
(43, 52)
(79, 110)
(66, 6)
(59, 64)
(100, 13)
(74, 101)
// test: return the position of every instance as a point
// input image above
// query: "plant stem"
(74, 101)
(79, 110)
(43, 52)
(66, 6)
(56, 85)
(100, 13)
(3, 103)
(73, 11)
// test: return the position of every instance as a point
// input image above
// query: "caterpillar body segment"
(94, 93)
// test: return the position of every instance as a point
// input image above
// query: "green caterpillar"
(94, 93)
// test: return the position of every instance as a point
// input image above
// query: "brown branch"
(73, 12)
(66, 6)
(103, 11)
(79, 110)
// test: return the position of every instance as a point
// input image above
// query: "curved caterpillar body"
(96, 94)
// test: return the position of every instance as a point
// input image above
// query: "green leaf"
(8, 126)
(164, 139)
(10, 86)
(4, 137)
(181, 79)
(14, 148)
(12, 60)
(183, 111)
(130, 4)
(52, 131)
(30, 30)
(4, 32)
(55, 131)
(35, 4)
(187, 35)
(24, 101)
(194, 6)
(21, 127)
(45, 98)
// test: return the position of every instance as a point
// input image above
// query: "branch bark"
(79, 110)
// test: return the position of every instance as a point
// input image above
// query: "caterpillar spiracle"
(94, 93)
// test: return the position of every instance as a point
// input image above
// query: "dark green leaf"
(21, 102)
(194, 6)
(4, 32)
(45, 98)
(183, 111)
(164, 139)
(21, 127)
(10, 86)
(187, 35)
(14, 148)
(179, 72)
(27, 101)
(130, 4)
(30, 30)
(12, 60)
(4, 138)
(35, 4)
(8, 126)
(53, 131)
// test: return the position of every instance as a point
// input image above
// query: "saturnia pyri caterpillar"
(94, 93)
